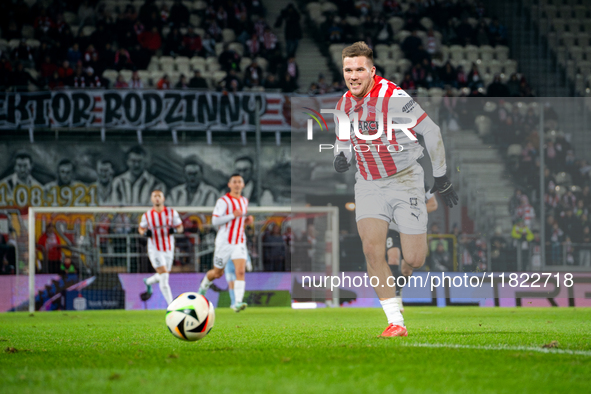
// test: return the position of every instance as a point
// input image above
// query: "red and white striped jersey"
(159, 223)
(231, 232)
(381, 158)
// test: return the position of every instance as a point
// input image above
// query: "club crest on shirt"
(414, 201)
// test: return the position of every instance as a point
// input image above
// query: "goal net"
(93, 257)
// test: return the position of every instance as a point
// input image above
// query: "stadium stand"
(102, 40)
(567, 28)
(105, 41)
(414, 42)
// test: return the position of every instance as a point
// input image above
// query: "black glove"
(446, 191)
(148, 233)
(340, 163)
(172, 230)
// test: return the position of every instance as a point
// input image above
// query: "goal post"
(330, 239)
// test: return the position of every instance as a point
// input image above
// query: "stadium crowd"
(429, 26)
(72, 44)
(566, 195)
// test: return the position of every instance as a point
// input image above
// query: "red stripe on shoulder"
(411, 129)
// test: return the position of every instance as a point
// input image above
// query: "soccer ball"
(190, 316)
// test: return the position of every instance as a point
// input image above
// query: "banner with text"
(132, 109)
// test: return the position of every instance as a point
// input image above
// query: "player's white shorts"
(225, 252)
(399, 198)
(161, 259)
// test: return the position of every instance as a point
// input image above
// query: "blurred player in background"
(230, 241)
(159, 224)
(393, 249)
(389, 182)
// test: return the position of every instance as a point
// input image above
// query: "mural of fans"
(245, 166)
(194, 192)
(122, 174)
(64, 176)
(134, 186)
(23, 164)
(104, 183)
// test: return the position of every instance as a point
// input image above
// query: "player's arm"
(220, 217)
(434, 144)
(343, 154)
(143, 227)
(249, 219)
(432, 204)
(177, 224)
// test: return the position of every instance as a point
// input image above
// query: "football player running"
(229, 214)
(389, 182)
(159, 224)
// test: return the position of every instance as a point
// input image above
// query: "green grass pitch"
(279, 350)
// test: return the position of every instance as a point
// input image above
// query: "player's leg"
(239, 284)
(164, 276)
(220, 257)
(231, 292)
(410, 214)
(393, 256)
(414, 248)
(405, 269)
(373, 237)
(239, 259)
(156, 261)
(230, 273)
(373, 213)
(208, 279)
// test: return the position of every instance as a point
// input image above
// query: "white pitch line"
(513, 348)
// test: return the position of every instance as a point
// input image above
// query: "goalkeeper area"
(329, 350)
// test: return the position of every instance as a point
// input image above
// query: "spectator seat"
(483, 125)
(396, 23)
(28, 31)
(228, 35)
(510, 67)
(471, 53)
(486, 53)
(238, 47)
(514, 150)
(563, 178)
(502, 52)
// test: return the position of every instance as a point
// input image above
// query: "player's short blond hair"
(360, 48)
